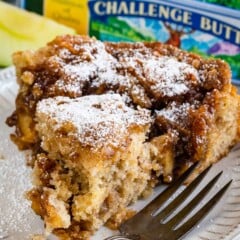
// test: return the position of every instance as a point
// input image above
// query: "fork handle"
(118, 237)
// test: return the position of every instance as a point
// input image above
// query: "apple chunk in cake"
(101, 163)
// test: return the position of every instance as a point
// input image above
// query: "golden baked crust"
(107, 121)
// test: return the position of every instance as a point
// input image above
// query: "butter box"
(208, 29)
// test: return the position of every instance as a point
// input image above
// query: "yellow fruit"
(21, 30)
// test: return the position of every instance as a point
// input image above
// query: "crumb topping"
(175, 112)
(77, 70)
(98, 120)
(168, 76)
(91, 65)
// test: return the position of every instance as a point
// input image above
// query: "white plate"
(17, 221)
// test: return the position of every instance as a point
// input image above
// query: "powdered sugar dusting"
(175, 112)
(14, 199)
(82, 71)
(17, 219)
(168, 76)
(97, 119)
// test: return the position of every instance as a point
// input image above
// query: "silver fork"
(152, 224)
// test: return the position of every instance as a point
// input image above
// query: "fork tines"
(157, 219)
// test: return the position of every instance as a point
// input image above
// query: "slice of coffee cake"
(106, 122)
(99, 163)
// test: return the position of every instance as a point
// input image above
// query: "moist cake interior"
(106, 122)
